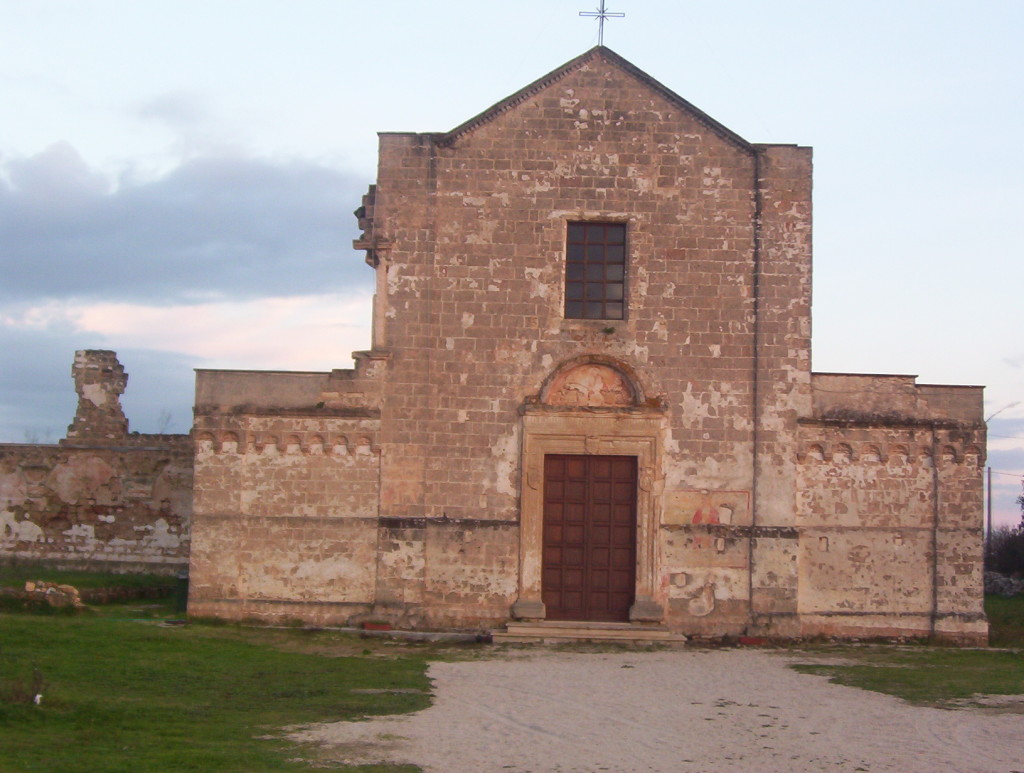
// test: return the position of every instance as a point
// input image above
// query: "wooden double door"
(589, 553)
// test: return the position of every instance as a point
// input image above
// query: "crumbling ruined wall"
(100, 381)
(102, 498)
(109, 507)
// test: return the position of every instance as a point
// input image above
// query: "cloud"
(37, 394)
(213, 228)
(178, 110)
(56, 178)
(224, 261)
(160, 389)
(315, 332)
(159, 347)
(1009, 430)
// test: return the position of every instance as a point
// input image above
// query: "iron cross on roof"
(601, 14)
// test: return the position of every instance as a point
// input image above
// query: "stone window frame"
(591, 266)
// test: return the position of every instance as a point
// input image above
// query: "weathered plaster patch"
(506, 455)
(13, 488)
(12, 530)
(81, 478)
(97, 394)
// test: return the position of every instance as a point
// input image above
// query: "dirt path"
(677, 712)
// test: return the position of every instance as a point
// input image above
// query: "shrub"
(1004, 551)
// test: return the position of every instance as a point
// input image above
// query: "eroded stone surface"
(101, 497)
(770, 500)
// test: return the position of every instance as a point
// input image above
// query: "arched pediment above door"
(591, 384)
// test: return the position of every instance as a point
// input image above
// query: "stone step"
(560, 632)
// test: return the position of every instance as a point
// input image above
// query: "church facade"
(589, 399)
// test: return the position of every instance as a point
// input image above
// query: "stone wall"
(476, 375)
(286, 494)
(287, 521)
(102, 498)
(889, 506)
(469, 229)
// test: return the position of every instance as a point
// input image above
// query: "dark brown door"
(589, 537)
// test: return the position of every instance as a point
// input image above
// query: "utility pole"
(988, 519)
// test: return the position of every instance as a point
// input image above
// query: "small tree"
(163, 422)
(1004, 552)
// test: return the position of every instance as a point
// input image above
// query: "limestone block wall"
(287, 507)
(446, 574)
(288, 528)
(889, 510)
(286, 494)
(769, 501)
(467, 232)
(782, 360)
(123, 508)
(471, 229)
(102, 498)
(100, 381)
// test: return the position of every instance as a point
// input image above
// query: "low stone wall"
(102, 507)
(104, 498)
(40, 593)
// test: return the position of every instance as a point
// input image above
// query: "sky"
(177, 178)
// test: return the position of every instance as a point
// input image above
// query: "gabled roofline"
(555, 75)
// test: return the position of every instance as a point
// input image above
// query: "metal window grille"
(595, 271)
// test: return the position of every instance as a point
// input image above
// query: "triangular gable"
(555, 75)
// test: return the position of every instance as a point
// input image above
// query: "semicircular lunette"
(592, 385)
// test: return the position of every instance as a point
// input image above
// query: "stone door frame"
(614, 432)
(586, 546)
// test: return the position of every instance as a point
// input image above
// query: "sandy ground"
(671, 711)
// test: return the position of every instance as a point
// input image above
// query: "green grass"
(934, 676)
(939, 676)
(14, 575)
(121, 695)
(1005, 620)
